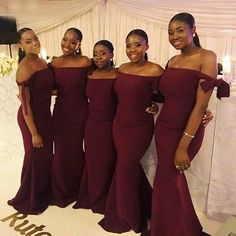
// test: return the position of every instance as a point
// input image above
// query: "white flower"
(8, 65)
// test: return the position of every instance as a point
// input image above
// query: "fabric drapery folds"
(223, 89)
(23, 96)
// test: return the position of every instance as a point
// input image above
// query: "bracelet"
(187, 134)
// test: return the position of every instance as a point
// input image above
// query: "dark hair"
(188, 19)
(105, 43)
(108, 45)
(79, 37)
(141, 33)
(21, 52)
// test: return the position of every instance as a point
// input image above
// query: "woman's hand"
(181, 160)
(37, 141)
(153, 109)
(208, 116)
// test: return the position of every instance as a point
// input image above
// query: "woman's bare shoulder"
(208, 54)
(23, 72)
(208, 61)
(155, 69)
(123, 67)
(56, 61)
(83, 61)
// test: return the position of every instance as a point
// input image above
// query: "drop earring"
(77, 52)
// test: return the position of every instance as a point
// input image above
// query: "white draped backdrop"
(212, 178)
(113, 19)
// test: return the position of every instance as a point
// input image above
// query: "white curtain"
(216, 26)
(113, 19)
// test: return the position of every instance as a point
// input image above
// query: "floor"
(55, 221)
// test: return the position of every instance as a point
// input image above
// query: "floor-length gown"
(172, 208)
(69, 116)
(99, 146)
(34, 194)
(128, 204)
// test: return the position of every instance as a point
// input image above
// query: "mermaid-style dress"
(99, 146)
(172, 209)
(129, 199)
(69, 116)
(33, 196)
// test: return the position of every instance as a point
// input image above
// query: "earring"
(194, 35)
(77, 52)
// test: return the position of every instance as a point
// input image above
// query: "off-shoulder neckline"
(37, 71)
(70, 67)
(104, 79)
(188, 69)
(33, 74)
(146, 76)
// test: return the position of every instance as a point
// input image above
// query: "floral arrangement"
(8, 65)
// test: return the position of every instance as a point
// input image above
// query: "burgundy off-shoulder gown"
(172, 208)
(33, 196)
(129, 199)
(100, 153)
(69, 116)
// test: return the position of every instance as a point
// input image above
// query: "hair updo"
(189, 20)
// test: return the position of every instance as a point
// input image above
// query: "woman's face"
(136, 46)
(70, 43)
(180, 34)
(30, 43)
(102, 56)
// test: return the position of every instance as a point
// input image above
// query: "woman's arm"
(208, 67)
(24, 96)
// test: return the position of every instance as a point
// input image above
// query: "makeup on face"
(102, 56)
(180, 35)
(136, 47)
(69, 43)
(30, 43)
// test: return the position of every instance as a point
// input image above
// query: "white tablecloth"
(11, 145)
(222, 187)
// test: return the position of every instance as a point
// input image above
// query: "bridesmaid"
(187, 85)
(69, 116)
(35, 81)
(129, 198)
(99, 147)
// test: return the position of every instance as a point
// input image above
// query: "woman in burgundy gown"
(69, 116)
(128, 204)
(99, 147)
(187, 85)
(35, 82)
